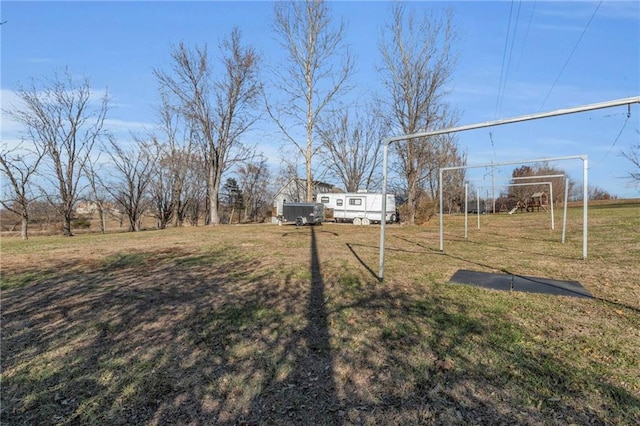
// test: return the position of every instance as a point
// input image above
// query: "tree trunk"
(102, 218)
(133, 224)
(412, 197)
(214, 183)
(25, 225)
(309, 183)
(66, 225)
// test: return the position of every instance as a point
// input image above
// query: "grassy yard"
(263, 324)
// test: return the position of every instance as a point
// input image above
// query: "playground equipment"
(536, 116)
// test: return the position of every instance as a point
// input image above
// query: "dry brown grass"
(283, 325)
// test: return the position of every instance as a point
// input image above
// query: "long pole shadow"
(362, 262)
(307, 394)
(319, 363)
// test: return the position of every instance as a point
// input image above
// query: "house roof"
(316, 183)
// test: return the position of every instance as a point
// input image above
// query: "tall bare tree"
(418, 62)
(19, 165)
(352, 142)
(319, 67)
(59, 116)
(129, 182)
(219, 109)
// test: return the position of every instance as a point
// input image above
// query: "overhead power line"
(526, 35)
(504, 56)
(513, 42)
(615, 141)
(575, 47)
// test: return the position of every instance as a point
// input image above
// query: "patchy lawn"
(283, 325)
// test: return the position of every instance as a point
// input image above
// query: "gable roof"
(303, 183)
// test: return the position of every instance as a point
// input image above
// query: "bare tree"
(253, 177)
(174, 145)
(633, 155)
(523, 193)
(220, 110)
(98, 193)
(19, 165)
(319, 67)
(352, 143)
(194, 189)
(596, 193)
(61, 120)
(417, 65)
(133, 168)
(452, 181)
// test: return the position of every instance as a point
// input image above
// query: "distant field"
(266, 324)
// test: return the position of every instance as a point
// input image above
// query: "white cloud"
(11, 131)
(8, 127)
(38, 60)
(120, 126)
(620, 10)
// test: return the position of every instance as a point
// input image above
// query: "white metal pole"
(383, 222)
(564, 215)
(478, 205)
(585, 204)
(440, 183)
(591, 107)
(466, 225)
(529, 117)
(493, 191)
(526, 184)
(553, 223)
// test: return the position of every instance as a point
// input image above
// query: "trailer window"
(338, 202)
(355, 201)
(324, 199)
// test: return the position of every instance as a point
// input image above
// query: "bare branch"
(319, 68)
(61, 121)
(417, 65)
(219, 110)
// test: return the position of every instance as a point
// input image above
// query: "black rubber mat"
(509, 282)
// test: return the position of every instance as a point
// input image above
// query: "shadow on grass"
(362, 262)
(219, 337)
(170, 338)
(511, 248)
(499, 377)
(507, 272)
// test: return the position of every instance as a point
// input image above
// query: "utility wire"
(616, 139)
(513, 42)
(575, 47)
(526, 35)
(504, 56)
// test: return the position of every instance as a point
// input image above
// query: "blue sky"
(515, 58)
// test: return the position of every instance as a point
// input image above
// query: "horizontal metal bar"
(528, 117)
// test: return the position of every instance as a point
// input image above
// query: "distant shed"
(295, 191)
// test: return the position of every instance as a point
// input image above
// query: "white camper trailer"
(361, 208)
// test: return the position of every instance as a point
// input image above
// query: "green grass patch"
(13, 280)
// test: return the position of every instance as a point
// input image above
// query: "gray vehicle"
(303, 213)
